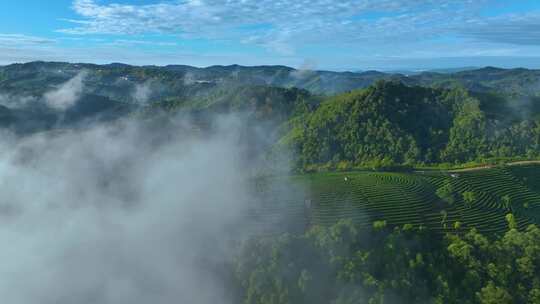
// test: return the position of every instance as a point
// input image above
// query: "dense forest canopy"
(345, 264)
(430, 238)
(376, 120)
(391, 123)
(270, 152)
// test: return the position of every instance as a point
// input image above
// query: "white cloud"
(514, 29)
(334, 32)
(122, 214)
(19, 39)
(16, 102)
(142, 92)
(279, 25)
(305, 70)
(131, 42)
(67, 94)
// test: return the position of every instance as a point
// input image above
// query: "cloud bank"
(123, 213)
(287, 27)
(351, 34)
(274, 24)
(514, 29)
(142, 92)
(67, 94)
(19, 39)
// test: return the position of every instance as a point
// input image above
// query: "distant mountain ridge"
(506, 102)
(185, 80)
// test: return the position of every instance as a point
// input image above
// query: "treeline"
(345, 264)
(392, 124)
(264, 103)
(388, 125)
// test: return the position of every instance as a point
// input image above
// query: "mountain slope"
(116, 80)
(391, 123)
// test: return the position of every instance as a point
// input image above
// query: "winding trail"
(517, 163)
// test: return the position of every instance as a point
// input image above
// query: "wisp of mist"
(120, 213)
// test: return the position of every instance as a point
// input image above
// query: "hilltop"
(391, 124)
(177, 79)
(331, 120)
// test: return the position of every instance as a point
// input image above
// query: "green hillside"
(527, 175)
(391, 124)
(117, 80)
(263, 102)
(414, 199)
(451, 120)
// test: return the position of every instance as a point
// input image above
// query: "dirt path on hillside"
(517, 163)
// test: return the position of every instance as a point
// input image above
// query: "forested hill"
(379, 119)
(391, 123)
(116, 81)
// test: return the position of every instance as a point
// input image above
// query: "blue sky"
(322, 34)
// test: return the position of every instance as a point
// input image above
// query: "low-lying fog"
(119, 214)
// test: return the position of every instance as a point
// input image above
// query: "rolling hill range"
(391, 122)
(116, 81)
(273, 91)
(412, 199)
(394, 121)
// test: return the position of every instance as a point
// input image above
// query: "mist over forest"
(126, 184)
(269, 152)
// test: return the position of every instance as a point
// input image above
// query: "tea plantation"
(414, 199)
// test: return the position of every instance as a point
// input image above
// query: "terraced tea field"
(410, 198)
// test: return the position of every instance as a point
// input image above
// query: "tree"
(467, 140)
(469, 198)
(379, 225)
(444, 217)
(351, 264)
(492, 294)
(506, 201)
(446, 193)
(511, 221)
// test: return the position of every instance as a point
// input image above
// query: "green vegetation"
(345, 263)
(182, 80)
(380, 121)
(374, 126)
(441, 202)
(526, 175)
(422, 237)
(262, 102)
(469, 198)
(391, 125)
(446, 193)
(430, 236)
(433, 200)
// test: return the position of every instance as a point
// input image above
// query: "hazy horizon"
(442, 69)
(269, 151)
(350, 35)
